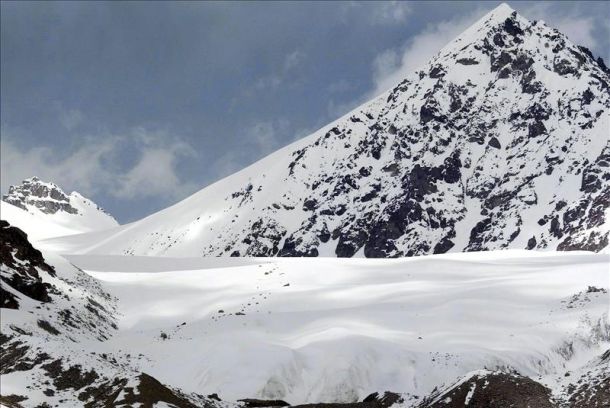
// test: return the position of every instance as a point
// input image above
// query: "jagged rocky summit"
(46, 197)
(40, 205)
(499, 141)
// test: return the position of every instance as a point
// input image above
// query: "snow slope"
(499, 141)
(308, 330)
(304, 330)
(43, 210)
(316, 330)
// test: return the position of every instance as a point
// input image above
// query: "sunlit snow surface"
(345, 328)
(39, 225)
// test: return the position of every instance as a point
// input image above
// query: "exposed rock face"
(493, 389)
(374, 400)
(20, 267)
(258, 403)
(500, 141)
(590, 387)
(47, 197)
(583, 225)
(595, 392)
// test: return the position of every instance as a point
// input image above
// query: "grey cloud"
(93, 167)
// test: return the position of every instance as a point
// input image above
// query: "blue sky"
(137, 105)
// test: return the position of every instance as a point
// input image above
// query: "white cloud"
(579, 29)
(386, 63)
(393, 65)
(385, 68)
(291, 61)
(71, 119)
(390, 12)
(94, 168)
(263, 136)
(81, 170)
(260, 139)
(340, 86)
(153, 175)
(268, 82)
(228, 163)
(337, 109)
(376, 13)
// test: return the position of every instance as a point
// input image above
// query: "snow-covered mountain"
(44, 210)
(501, 328)
(499, 141)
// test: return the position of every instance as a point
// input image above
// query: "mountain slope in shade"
(43, 210)
(499, 141)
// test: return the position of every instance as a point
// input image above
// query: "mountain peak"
(46, 200)
(496, 16)
(501, 12)
(499, 141)
(44, 196)
(502, 19)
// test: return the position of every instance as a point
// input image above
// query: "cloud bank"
(99, 166)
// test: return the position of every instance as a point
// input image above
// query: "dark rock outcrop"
(47, 197)
(492, 390)
(22, 267)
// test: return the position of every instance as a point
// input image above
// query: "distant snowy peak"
(47, 203)
(48, 198)
(499, 141)
(35, 193)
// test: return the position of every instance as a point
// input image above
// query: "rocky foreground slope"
(500, 141)
(54, 318)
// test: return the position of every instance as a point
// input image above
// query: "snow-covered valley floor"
(330, 330)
